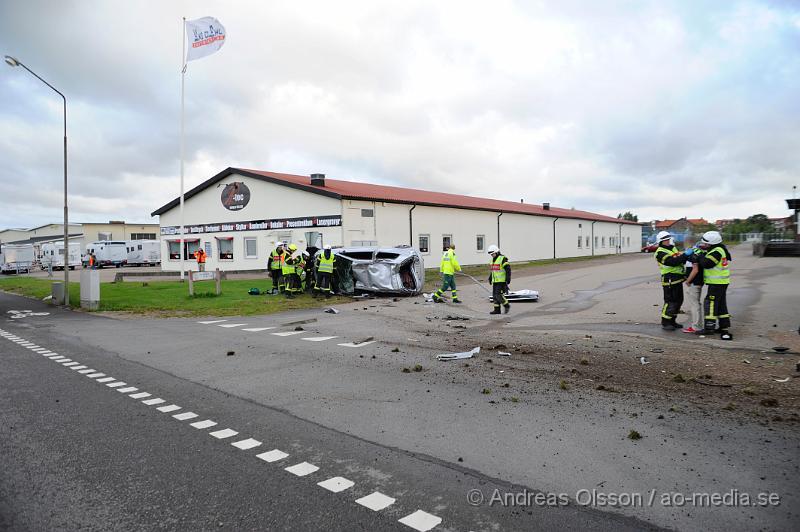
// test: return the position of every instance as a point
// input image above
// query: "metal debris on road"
(503, 354)
(780, 349)
(521, 295)
(785, 379)
(459, 356)
(299, 322)
(644, 360)
(363, 341)
(331, 310)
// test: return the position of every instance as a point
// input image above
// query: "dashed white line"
(231, 325)
(61, 359)
(207, 424)
(116, 384)
(168, 409)
(318, 338)
(224, 433)
(85, 371)
(287, 333)
(272, 456)
(362, 344)
(76, 368)
(128, 389)
(376, 501)
(106, 379)
(71, 363)
(140, 395)
(302, 469)
(211, 322)
(184, 416)
(156, 401)
(421, 521)
(259, 329)
(95, 375)
(336, 484)
(244, 445)
(55, 356)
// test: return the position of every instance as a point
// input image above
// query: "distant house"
(680, 228)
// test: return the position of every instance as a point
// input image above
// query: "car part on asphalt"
(458, 356)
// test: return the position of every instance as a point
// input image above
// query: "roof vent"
(546, 206)
(318, 180)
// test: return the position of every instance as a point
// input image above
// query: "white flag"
(205, 36)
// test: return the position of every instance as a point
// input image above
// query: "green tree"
(629, 216)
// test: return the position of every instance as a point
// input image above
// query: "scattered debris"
(780, 349)
(230, 353)
(503, 354)
(506, 385)
(698, 381)
(656, 350)
(746, 361)
(588, 336)
(486, 391)
(47, 298)
(749, 390)
(418, 368)
(365, 340)
(786, 379)
(458, 356)
(610, 312)
(331, 310)
(500, 346)
(396, 350)
(584, 362)
(298, 328)
(515, 399)
(678, 378)
(563, 385)
(634, 435)
(729, 406)
(406, 370)
(674, 408)
(643, 360)
(455, 318)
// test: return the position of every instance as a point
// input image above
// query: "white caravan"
(108, 253)
(16, 258)
(144, 252)
(53, 254)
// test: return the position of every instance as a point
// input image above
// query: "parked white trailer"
(108, 253)
(144, 252)
(53, 253)
(16, 258)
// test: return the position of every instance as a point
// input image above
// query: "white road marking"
(68, 364)
(62, 359)
(39, 349)
(287, 333)
(204, 424)
(168, 409)
(318, 338)
(258, 329)
(244, 445)
(46, 353)
(95, 375)
(85, 371)
(106, 379)
(336, 484)
(151, 402)
(224, 433)
(140, 395)
(129, 389)
(231, 325)
(376, 501)
(302, 469)
(76, 368)
(272, 456)
(362, 344)
(422, 521)
(55, 356)
(116, 384)
(184, 416)
(211, 322)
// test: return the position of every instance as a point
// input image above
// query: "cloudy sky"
(664, 108)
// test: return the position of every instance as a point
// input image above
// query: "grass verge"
(171, 298)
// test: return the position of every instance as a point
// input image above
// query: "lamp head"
(11, 61)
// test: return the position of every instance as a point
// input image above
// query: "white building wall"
(524, 237)
(267, 201)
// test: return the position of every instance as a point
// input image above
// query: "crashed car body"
(397, 270)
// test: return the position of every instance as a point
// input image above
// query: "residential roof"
(338, 189)
(666, 224)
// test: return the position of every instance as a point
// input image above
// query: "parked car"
(650, 247)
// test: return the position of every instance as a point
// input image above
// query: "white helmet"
(663, 235)
(327, 246)
(711, 237)
(493, 249)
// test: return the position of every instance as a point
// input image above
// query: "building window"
(103, 236)
(367, 213)
(250, 249)
(629, 242)
(596, 240)
(424, 243)
(580, 241)
(480, 242)
(446, 241)
(225, 248)
(364, 243)
(603, 242)
(143, 236)
(587, 241)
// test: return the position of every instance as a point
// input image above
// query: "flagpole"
(183, 78)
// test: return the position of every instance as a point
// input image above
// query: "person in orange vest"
(92, 262)
(200, 255)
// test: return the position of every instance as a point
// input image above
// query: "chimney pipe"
(318, 180)
(546, 206)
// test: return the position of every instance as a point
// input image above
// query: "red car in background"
(650, 247)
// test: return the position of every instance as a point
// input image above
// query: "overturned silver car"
(396, 270)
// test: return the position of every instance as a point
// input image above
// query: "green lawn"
(171, 298)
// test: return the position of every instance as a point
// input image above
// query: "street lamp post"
(15, 63)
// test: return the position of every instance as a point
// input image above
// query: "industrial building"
(239, 216)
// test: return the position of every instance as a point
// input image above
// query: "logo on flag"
(205, 36)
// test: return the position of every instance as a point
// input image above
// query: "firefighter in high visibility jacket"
(275, 267)
(500, 279)
(448, 267)
(289, 272)
(325, 264)
(672, 264)
(717, 277)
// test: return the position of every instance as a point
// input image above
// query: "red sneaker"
(689, 330)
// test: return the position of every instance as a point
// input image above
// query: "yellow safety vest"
(287, 266)
(277, 259)
(326, 265)
(720, 273)
(449, 263)
(661, 253)
(498, 271)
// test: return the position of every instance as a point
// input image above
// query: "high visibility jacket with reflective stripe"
(720, 273)
(288, 265)
(662, 254)
(449, 263)
(277, 260)
(498, 269)
(200, 256)
(326, 265)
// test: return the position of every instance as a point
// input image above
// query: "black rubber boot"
(495, 311)
(506, 308)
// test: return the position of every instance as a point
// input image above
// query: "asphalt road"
(81, 450)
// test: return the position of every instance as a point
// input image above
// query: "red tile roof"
(369, 192)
